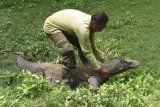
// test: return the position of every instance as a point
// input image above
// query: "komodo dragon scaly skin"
(49, 70)
(80, 74)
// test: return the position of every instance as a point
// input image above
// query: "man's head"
(98, 22)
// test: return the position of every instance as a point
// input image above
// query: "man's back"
(68, 20)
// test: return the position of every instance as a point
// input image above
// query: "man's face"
(95, 27)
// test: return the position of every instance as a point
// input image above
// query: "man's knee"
(64, 47)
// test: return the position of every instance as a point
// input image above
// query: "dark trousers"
(65, 43)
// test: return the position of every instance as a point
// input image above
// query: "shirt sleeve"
(98, 54)
(85, 44)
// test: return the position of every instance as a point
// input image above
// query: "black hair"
(100, 17)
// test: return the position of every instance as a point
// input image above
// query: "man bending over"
(68, 28)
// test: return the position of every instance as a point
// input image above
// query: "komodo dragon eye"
(123, 64)
(133, 63)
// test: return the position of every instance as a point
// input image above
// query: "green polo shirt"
(75, 23)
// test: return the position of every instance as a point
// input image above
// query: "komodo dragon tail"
(30, 66)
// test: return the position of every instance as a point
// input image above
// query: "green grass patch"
(132, 32)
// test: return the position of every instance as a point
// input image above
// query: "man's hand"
(103, 73)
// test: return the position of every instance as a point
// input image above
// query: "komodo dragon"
(80, 74)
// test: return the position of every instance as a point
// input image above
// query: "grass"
(132, 32)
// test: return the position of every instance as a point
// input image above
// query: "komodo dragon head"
(119, 65)
(116, 66)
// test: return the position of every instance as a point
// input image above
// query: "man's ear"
(93, 22)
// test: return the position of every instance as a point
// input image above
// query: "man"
(68, 28)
